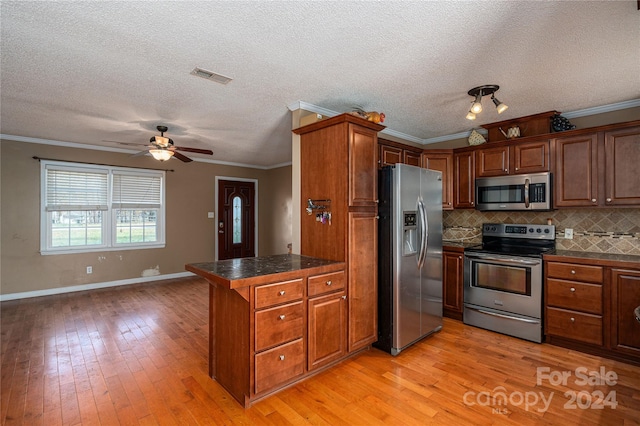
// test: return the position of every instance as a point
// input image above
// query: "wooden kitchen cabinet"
(453, 282)
(327, 327)
(625, 297)
(464, 179)
(442, 161)
(338, 162)
(394, 152)
(598, 169)
(576, 175)
(590, 302)
(270, 329)
(574, 302)
(622, 159)
(513, 158)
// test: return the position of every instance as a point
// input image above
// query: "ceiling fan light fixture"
(471, 115)
(161, 154)
(162, 141)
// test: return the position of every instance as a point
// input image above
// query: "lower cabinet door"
(278, 365)
(327, 329)
(625, 333)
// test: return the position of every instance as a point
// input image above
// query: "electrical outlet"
(89, 269)
(568, 233)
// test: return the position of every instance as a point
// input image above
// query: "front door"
(236, 219)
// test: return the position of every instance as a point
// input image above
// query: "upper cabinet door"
(390, 155)
(442, 162)
(363, 166)
(576, 177)
(412, 158)
(531, 157)
(465, 180)
(492, 161)
(622, 159)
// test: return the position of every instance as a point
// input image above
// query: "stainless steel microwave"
(517, 192)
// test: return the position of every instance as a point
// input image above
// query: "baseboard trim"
(92, 286)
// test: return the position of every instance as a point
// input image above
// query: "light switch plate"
(568, 233)
(210, 215)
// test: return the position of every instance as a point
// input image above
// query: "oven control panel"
(511, 230)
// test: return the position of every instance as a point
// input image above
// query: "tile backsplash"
(615, 231)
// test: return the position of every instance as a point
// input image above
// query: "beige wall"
(190, 235)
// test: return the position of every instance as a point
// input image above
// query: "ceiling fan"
(162, 148)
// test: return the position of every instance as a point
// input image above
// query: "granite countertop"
(460, 244)
(626, 260)
(252, 270)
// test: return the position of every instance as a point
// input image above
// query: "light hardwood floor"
(138, 355)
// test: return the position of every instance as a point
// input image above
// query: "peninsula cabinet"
(338, 170)
(442, 161)
(464, 179)
(513, 158)
(273, 321)
(590, 300)
(598, 169)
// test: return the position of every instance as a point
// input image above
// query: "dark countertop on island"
(243, 272)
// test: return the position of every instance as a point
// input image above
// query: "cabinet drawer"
(326, 283)
(571, 271)
(278, 365)
(278, 325)
(574, 295)
(278, 293)
(574, 325)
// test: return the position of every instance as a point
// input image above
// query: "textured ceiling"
(90, 72)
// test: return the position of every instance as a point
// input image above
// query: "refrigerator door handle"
(424, 234)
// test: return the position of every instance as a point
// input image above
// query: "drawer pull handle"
(573, 271)
(329, 282)
(281, 357)
(572, 289)
(282, 292)
(572, 319)
(281, 317)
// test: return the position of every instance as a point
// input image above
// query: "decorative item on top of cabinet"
(452, 282)
(464, 179)
(530, 125)
(442, 161)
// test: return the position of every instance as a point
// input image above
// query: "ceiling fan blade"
(140, 154)
(181, 157)
(196, 150)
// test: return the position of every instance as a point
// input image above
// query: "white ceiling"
(90, 72)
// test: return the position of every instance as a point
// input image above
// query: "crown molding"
(572, 114)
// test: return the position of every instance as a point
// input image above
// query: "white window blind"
(136, 191)
(69, 189)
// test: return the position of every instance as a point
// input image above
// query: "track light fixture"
(478, 93)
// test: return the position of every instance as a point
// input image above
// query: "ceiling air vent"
(218, 78)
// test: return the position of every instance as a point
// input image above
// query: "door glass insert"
(237, 220)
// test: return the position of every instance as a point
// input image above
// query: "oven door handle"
(526, 193)
(495, 314)
(506, 261)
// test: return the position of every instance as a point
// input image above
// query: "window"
(237, 220)
(95, 208)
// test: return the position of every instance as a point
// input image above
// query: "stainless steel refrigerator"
(409, 256)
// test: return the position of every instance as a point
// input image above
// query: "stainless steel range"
(503, 279)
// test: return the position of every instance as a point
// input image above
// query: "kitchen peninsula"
(273, 320)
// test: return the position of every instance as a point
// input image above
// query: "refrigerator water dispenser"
(409, 234)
